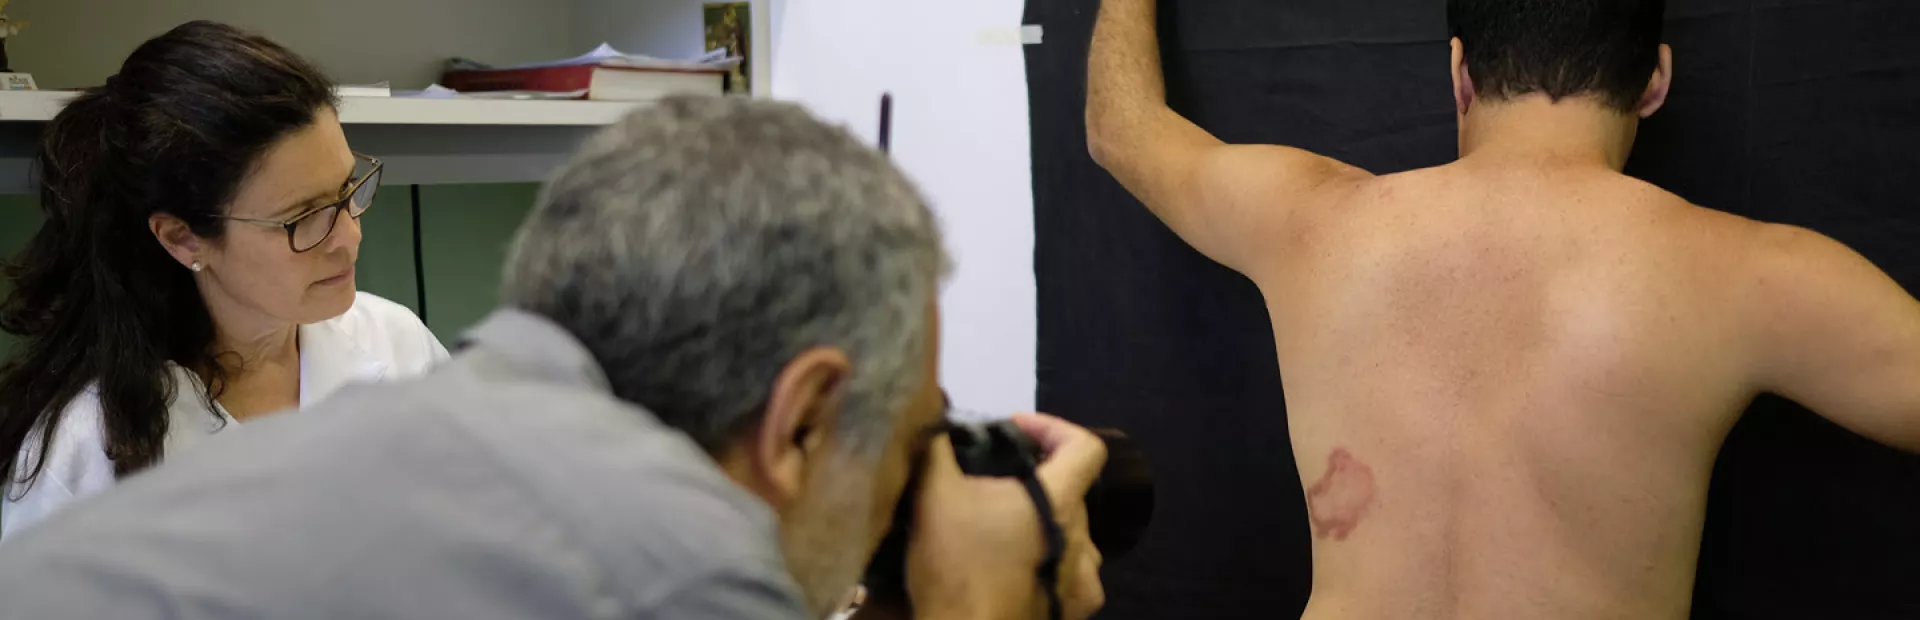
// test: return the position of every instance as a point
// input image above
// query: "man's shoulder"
(613, 472)
(639, 497)
(1711, 230)
(1632, 190)
(483, 495)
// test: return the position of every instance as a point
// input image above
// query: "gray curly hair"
(701, 244)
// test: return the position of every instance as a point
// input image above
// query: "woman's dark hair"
(96, 300)
(1562, 48)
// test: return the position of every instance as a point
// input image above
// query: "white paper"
(605, 55)
(1024, 35)
(527, 94)
(961, 132)
(435, 91)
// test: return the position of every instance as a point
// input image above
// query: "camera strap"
(1056, 541)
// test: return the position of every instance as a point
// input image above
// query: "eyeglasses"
(310, 228)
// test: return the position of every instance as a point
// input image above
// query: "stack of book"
(604, 74)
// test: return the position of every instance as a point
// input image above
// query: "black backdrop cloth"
(1798, 111)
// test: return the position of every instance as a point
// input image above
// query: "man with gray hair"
(713, 374)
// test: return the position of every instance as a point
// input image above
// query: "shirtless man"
(1508, 376)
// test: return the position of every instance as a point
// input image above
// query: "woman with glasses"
(196, 268)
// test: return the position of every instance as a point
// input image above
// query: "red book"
(601, 82)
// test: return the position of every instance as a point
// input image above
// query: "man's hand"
(976, 546)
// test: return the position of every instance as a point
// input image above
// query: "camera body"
(1119, 504)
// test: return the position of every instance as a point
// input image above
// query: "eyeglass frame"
(375, 167)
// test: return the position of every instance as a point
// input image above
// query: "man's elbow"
(1100, 141)
(1099, 150)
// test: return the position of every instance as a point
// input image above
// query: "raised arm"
(1224, 200)
(1838, 336)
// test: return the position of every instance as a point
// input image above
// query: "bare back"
(1508, 377)
(1506, 391)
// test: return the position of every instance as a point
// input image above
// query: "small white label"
(17, 81)
(1024, 35)
(1032, 34)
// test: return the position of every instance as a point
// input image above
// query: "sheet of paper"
(527, 94)
(435, 91)
(961, 132)
(606, 55)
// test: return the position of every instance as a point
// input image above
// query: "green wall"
(468, 228)
(464, 234)
(386, 248)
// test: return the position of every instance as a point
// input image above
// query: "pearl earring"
(197, 267)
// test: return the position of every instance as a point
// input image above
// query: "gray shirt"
(509, 483)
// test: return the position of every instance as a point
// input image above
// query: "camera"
(1119, 504)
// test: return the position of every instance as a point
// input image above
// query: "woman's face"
(253, 267)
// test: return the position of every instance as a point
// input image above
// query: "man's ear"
(1659, 85)
(174, 235)
(802, 410)
(1462, 79)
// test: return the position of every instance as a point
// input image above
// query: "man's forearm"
(1125, 88)
(1210, 193)
(1130, 130)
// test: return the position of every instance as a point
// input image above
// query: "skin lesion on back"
(1341, 499)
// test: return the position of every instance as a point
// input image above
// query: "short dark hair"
(1563, 48)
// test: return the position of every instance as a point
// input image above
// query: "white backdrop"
(960, 130)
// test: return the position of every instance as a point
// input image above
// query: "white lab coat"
(375, 340)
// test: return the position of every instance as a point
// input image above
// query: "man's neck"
(1576, 131)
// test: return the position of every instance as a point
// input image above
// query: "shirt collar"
(330, 358)
(524, 344)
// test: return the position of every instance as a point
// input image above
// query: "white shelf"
(32, 105)
(41, 106)
(405, 111)
(423, 141)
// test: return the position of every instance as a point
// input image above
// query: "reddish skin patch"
(1339, 501)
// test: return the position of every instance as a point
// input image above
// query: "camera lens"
(1120, 503)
